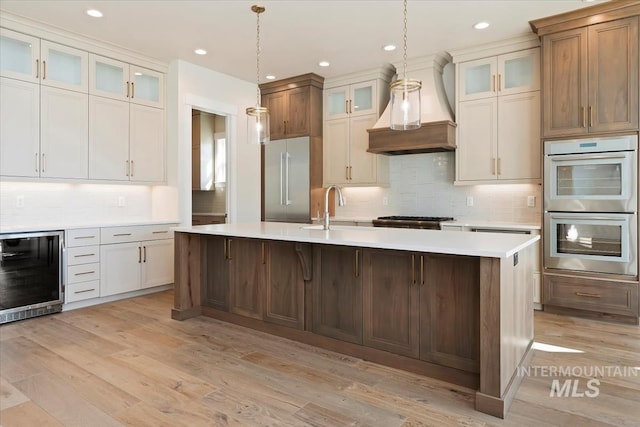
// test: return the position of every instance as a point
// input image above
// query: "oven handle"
(587, 157)
(597, 218)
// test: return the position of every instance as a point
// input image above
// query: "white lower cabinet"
(135, 257)
(81, 264)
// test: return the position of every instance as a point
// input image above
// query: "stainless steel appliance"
(591, 205)
(286, 180)
(420, 222)
(30, 274)
(591, 175)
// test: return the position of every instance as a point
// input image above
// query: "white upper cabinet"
(125, 82)
(351, 100)
(28, 58)
(19, 56)
(506, 74)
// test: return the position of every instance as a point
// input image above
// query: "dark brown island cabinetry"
(337, 292)
(459, 318)
(590, 71)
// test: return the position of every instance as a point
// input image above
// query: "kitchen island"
(449, 305)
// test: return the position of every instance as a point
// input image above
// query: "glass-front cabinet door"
(19, 56)
(362, 98)
(109, 78)
(336, 102)
(64, 67)
(478, 79)
(519, 72)
(146, 86)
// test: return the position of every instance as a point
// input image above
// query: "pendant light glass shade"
(405, 104)
(258, 117)
(257, 125)
(405, 95)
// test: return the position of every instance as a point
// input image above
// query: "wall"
(191, 86)
(422, 185)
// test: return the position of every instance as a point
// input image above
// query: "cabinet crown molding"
(615, 9)
(309, 79)
(495, 48)
(385, 73)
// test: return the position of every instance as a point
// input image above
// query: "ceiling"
(295, 35)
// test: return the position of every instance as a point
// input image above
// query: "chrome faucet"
(341, 202)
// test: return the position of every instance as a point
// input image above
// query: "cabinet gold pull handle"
(284, 122)
(357, 263)
(43, 162)
(85, 237)
(590, 116)
(139, 254)
(413, 269)
(588, 295)
(493, 83)
(44, 70)
(83, 255)
(346, 106)
(37, 68)
(583, 113)
(350, 172)
(224, 249)
(127, 89)
(499, 166)
(85, 290)
(121, 234)
(144, 254)
(499, 82)
(229, 249)
(264, 261)
(36, 162)
(493, 166)
(85, 272)
(126, 167)
(132, 168)
(133, 90)
(160, 232)
(422, 269)
(346, 172)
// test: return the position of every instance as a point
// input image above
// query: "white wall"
(191, 86)
(422, 185)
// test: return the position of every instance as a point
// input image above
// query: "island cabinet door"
(215, 273)
(391, 294)
(246, 259)
(284, 283)
(337, 292)
(450, 311)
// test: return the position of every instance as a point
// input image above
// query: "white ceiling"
(295, 35)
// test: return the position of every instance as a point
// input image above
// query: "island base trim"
(431, 370)
(184, 314)
(499, 406)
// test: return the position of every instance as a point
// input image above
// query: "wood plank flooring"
(128, 363)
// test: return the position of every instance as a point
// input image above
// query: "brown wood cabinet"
(337, 293)
(295, 106)
(391, 294)
(246, 259)
(285, 281)
(450, 311)
(590, 79)
(215, 272)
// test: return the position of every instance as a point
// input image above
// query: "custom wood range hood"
(437, 132)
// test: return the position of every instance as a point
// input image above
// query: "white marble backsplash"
(422, 185)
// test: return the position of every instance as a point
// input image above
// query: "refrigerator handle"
(281, 178)
(287, 200)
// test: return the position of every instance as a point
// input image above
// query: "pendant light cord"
(405, 39)
(258, 58)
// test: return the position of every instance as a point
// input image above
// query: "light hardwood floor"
(128, 363)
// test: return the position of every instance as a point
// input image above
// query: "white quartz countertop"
(76, 225)
(494, 225)
(436, 241)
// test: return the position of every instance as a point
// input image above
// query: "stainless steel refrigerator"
(286, 180)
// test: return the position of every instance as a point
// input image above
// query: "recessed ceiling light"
(481, 25)
(94, 13)
(270, 77)
(389, 47)
(324, 63)
(200, 52)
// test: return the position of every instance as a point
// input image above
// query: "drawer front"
(81, 291)
(594, 295)
(83, 255)
(83, 273)
(121, 234)
(157, 232)
(82, 237)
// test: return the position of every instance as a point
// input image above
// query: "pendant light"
(405, 95)
(258, 116)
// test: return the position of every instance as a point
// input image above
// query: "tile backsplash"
(35, 204)
(422, 185)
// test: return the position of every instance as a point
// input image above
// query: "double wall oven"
(591, 205)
